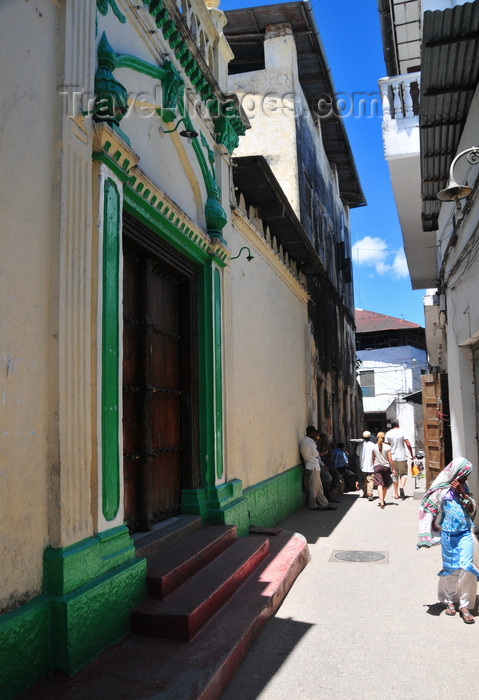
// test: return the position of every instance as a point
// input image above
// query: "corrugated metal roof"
(245, 32)
(449, 77)
(370, 321)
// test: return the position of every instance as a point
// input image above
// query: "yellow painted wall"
(265, 361)
(28, 291)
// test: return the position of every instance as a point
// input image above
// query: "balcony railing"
(400, 96)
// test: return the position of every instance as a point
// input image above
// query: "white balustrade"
(396, 96)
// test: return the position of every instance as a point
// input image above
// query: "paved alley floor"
(371, 629)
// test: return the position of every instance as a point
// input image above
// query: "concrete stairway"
(191, 581)
(209, 596)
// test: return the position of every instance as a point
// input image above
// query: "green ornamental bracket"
(103, 5)
(111, 104)
(111, 97)
(173, 91)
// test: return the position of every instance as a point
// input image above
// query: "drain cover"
(360, 555)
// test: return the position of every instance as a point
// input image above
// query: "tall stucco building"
(160, 347)
(430, 103)
(282, 78)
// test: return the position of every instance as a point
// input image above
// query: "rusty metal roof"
(449, 77)
(245, 32)
(370, 321)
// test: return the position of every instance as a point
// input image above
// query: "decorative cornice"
(110, 148)
(108, 144)
(222, 107)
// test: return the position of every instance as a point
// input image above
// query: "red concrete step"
(169, 570)
(186, 610)
(144, 667)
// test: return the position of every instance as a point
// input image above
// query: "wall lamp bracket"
(188, 133)
(249, 257)
(453, 192)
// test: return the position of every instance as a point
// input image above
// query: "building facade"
(392, 359)
(151, 368)
(439, 223)
(282, 79)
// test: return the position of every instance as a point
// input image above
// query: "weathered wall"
(30, 46)
(269, 99)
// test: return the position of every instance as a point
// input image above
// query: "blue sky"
(351, 37)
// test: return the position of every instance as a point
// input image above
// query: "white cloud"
(400, 269)
(373, 252)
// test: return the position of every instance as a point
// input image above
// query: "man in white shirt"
(398, 442)
(365, 450)
(312, 462)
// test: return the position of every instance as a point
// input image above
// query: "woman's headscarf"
(430, 506)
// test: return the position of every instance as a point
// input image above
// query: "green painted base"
(24, 646)
(262, 505)
(90, 588)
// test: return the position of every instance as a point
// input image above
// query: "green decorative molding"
(110, 410)
(91, 585)
(220, 109)
(103, 5)
(111, 98)
(89, 589)
(66, 569)
(263, 505)
(173, 94)
(173, 91)
(226, 133)
(218, 374)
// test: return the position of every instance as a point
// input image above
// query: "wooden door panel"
(164, 473)
(163, 299)
(164, 366)
(165, 421)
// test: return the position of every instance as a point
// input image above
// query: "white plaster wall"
(269, 99)
(29, 210)
(461, 272)
(397, 372)
(266, 350)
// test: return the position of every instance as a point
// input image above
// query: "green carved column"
(218, 371)
(110, 413)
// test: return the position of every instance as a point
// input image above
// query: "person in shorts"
(398, 442)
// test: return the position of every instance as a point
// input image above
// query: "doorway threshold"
(164, 534)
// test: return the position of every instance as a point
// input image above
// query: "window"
(366, 381)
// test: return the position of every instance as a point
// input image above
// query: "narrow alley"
(355, 630)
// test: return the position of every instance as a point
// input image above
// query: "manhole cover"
(358, 555)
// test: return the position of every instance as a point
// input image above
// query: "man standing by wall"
(310, 456)
(398, 441)
(365, 450)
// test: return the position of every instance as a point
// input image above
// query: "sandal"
(450, 609)
(467, 617)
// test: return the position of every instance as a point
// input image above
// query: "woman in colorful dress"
(383, 468)
(445, 516)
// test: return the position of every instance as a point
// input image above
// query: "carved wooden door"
(437, 435)
(157, 387)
